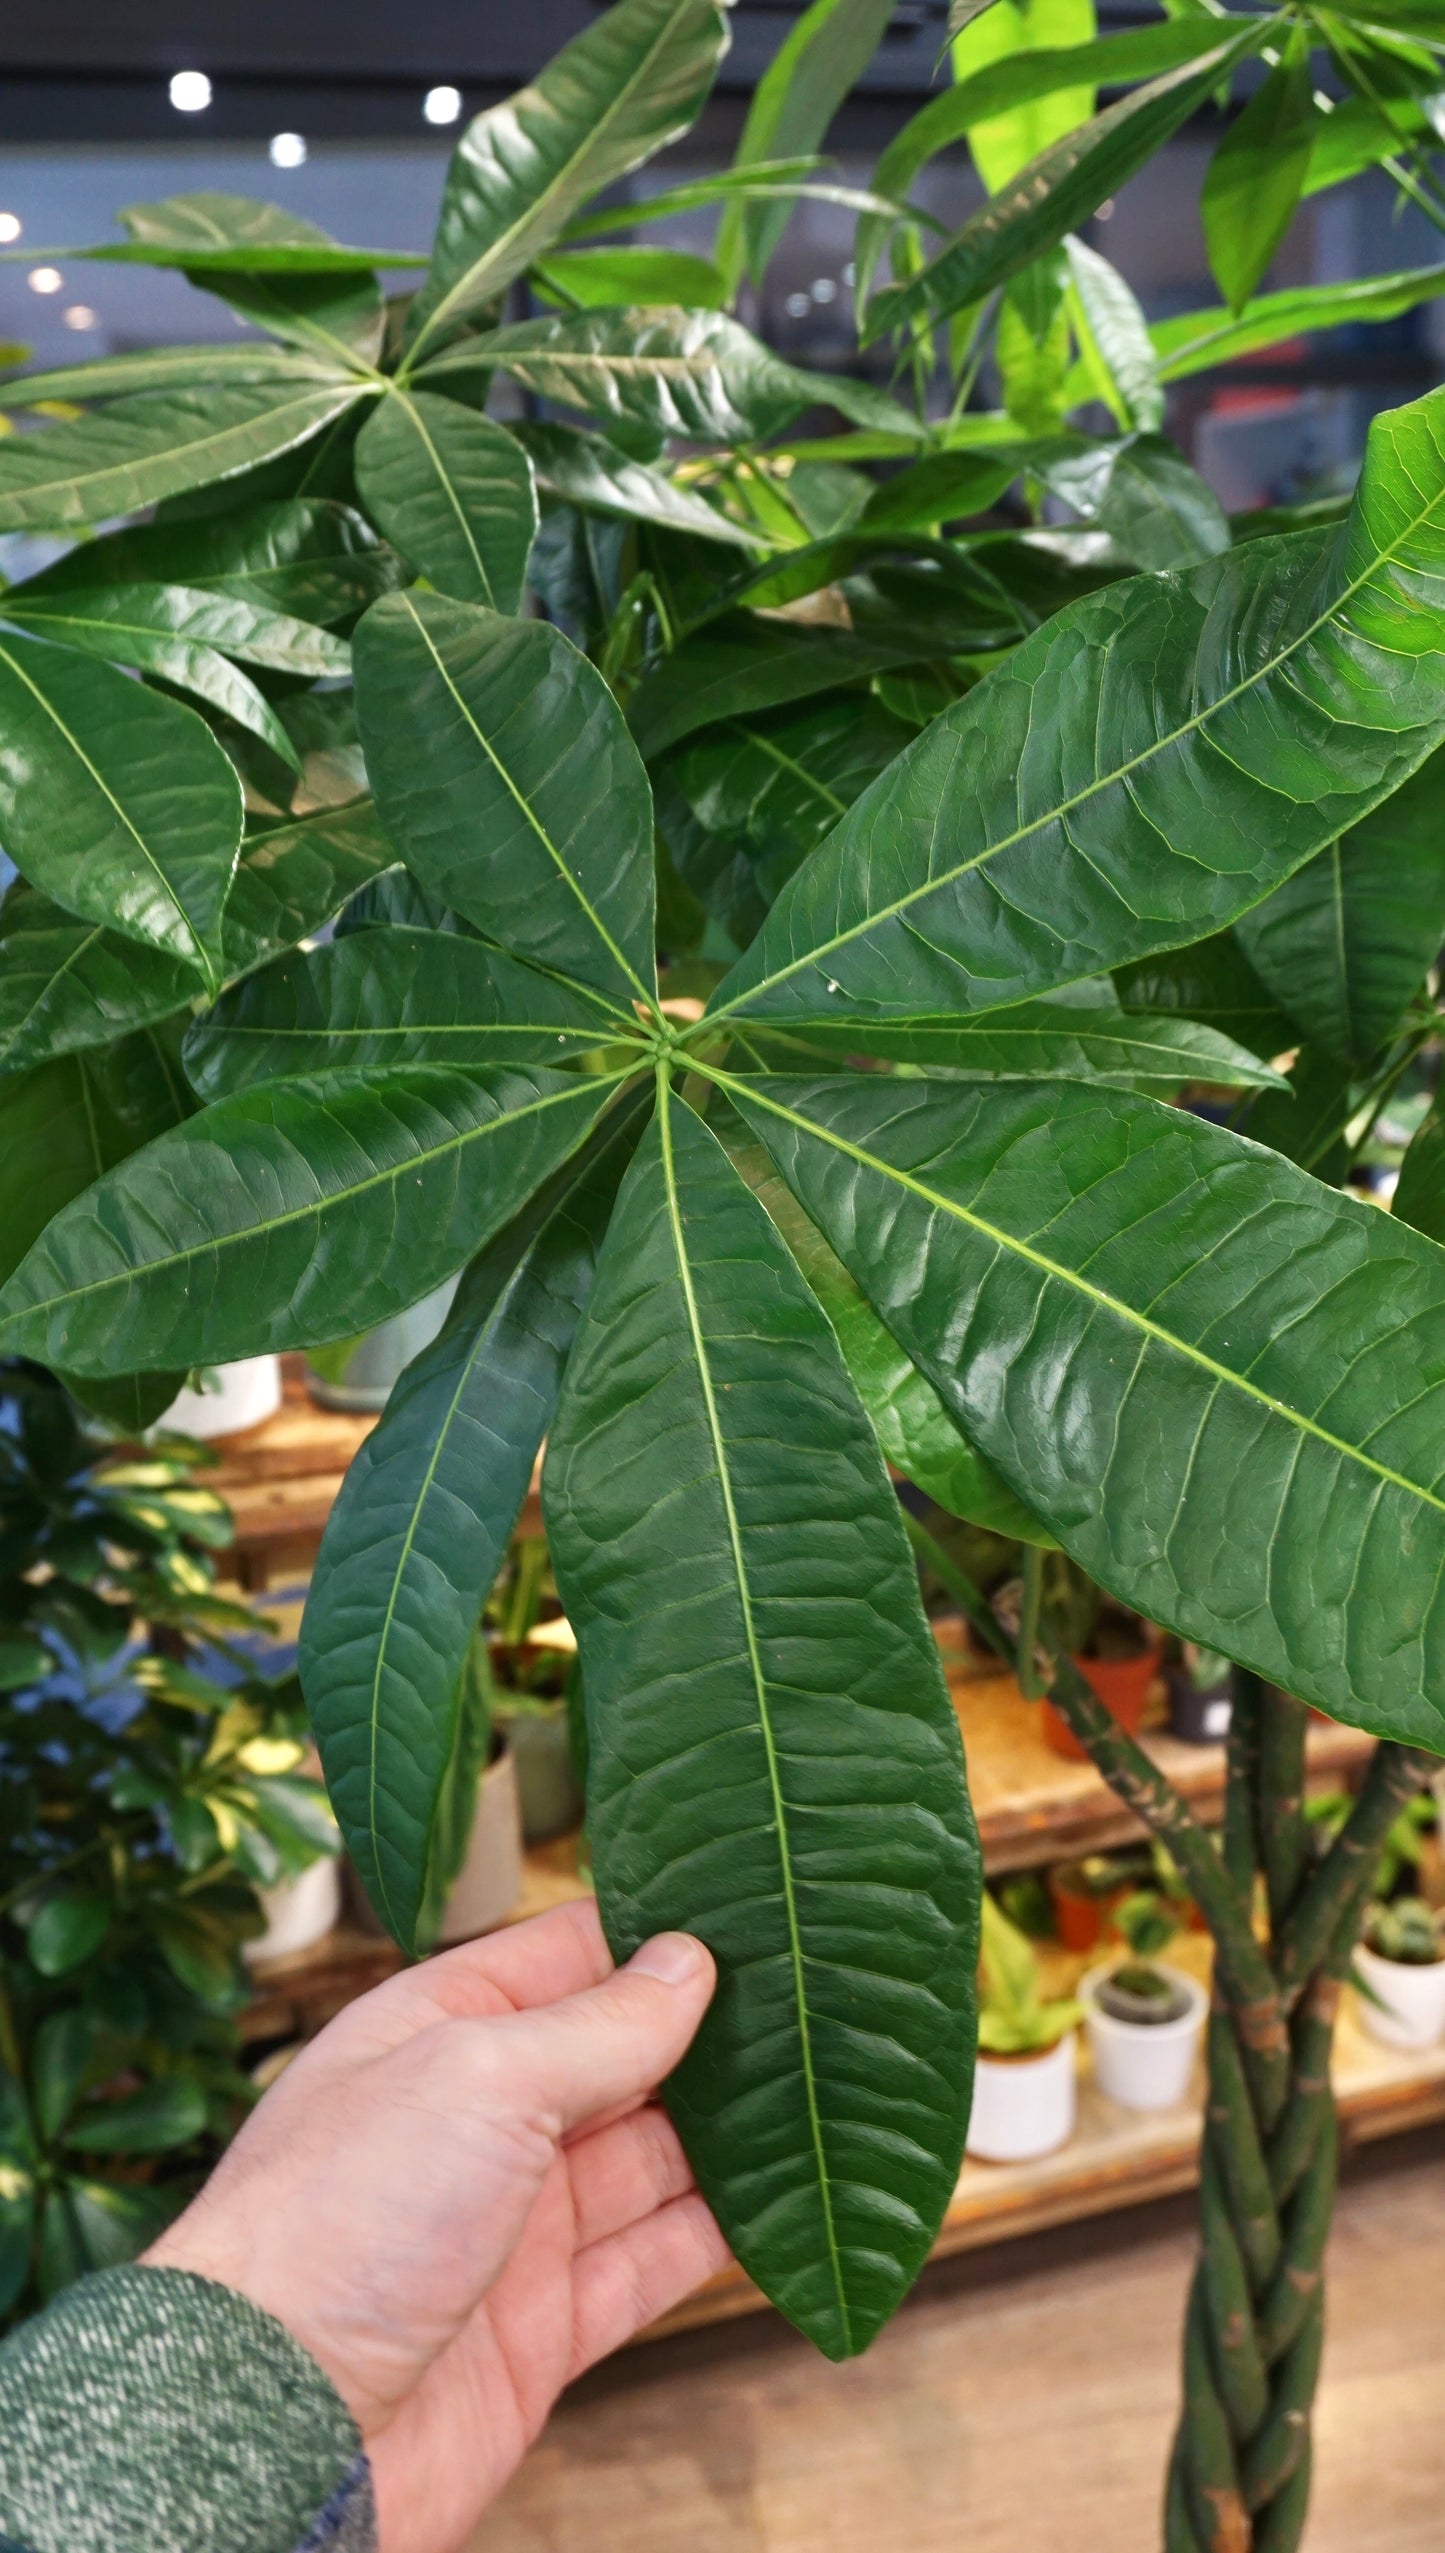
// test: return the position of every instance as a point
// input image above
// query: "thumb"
(614, 2043)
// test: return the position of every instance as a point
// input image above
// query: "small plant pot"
(1122, 1685)
(1079, 1913)
(1023, 2106)
(1199, 1718)
(1413, 1997)
(489, 1882)
(358, 1374)
(1144, 2065)
(299, 1912)
(242, 1396)
(548, 1791)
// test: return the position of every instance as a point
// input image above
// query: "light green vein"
(415, 418)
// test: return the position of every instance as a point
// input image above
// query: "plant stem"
(1321, 1926)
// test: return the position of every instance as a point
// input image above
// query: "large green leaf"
(773, 1760)
(1213, 982)
(619, 92)
(1089, 1038)
(1219, 1382)
(1252, 184)
(1057, 191)
(1196, 340)
(454, 491)
(65, 985)
(1006, 132)
(1157, 510)
(694, 373)
(622, 278)
(401, 997)
(1345, 942)
(118, 803)
(506, 776)
(64, 1123)
(110, 617)
(291, 878)
(307, 558)
(912, 1426)
(818, 62)
(293, 1214)
(1419, 1198)
(740, 666)
(421, 1526)
(1142, 770)
(342, 318)
(586, 470)
(165, 368)
(127, 455)
(1116, 351)
(210, 232)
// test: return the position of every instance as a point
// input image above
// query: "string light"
(190, 92)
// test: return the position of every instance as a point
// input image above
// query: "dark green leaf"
(130, 453)
(128, 1403)
(1253, 182)
(1214, 983)
(506, 776)
(941, 489)
(1158, 511)
(454, 492)
(1116, 352)
(212, 232)
(313, 560)
(286, 1216)
(618, 93)
(1198, 339)
(773, 1759)
(69, 1927)
(1345, 942)
(1221, 1389)
(109, 616)
(154, 629)
(62, 1124)
(166, 368)
(818, 62)
(1306, 1121)
(116, 802)
(420, 1529)
(588, 471)
(66, 984)
(1086, 1039)
(292, 877)
(741, 665)
(1054, 193)
(168, 2112)
(406, 997)
(339, 317)
(1419, 1198)
(21, 1662)
(1141, 771)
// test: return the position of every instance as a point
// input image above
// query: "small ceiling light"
(442, 105)
(10, 226)
(288, 150)
(80, 315)
(797, 305)
(45, 279)
(825, 289)
(1105, 212)
(190, 92)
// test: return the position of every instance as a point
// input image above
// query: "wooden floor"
(1021, 2403)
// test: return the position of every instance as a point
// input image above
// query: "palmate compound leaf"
(774, 1762)
(420, 1529)
(1139, 773)
(303, 1211)
(373, 1000)
(507, 778)
(1220, 1383)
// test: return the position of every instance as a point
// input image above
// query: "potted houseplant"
(358, 1374)
(1024, 2099)
(1118, 1653)
(643, 679)
(1400, 1967)
(1083, 1892)
(535, 1708)
(1199, 1695)
(226, 1400)
(1145, 2020)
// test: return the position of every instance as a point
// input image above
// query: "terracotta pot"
(1122, 1685)
(1079, 1914)
(489, 1882)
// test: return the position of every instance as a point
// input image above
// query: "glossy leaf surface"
(1196, 340)
(63, 1123)
(210, 231)
(164, 368)
(1214, 983)
(289, 1215)
(622, 90)
(66, 985)
(338, 317)
(1253, 182)
(1075, 1040)
(506, 776)
(791, 108)
(290, 878)
(1345, 942)
(108, 617)
(403, 997)
(773, 1759)
(1419, 1198)
(309, 559)
(153, 445)
(1220, 1383)
(1142, 770)
(588, 471)
(454, 492)
(144, 634)
(114, 801)
(421, 1527)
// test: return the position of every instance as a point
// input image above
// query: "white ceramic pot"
(1023, 2106)
(1144, 2065)
(489, 1882)
(243, 1396)
(299, 1912)
(1414, 1997)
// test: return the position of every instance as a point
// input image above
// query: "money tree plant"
(787, 869)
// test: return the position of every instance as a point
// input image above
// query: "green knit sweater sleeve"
(150, 2411)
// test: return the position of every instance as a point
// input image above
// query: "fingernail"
(673, 1956)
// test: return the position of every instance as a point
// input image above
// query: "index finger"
(541, 1961)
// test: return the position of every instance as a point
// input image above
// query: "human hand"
(459, 2196)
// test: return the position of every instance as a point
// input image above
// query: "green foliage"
(151, 1782)
(1015, 2018)
(766, 975)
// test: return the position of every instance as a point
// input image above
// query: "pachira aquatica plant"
(784, 882)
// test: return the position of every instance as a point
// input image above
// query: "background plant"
(150, 1784)
(1043, 822)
